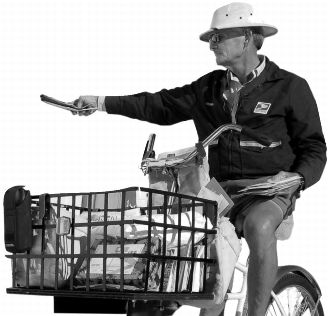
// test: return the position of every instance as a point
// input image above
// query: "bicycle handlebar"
(241, 129)
(208, 140)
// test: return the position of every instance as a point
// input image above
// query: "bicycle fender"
(282, 270)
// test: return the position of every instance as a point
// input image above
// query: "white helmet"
(237, 14)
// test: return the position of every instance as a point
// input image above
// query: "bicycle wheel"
(297, 297)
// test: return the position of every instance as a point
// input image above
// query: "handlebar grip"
(252, 134)
(149, 149)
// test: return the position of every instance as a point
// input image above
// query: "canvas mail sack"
(225, 247)
(33, 266)
(177, 172)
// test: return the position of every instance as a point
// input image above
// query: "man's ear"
(245, 43)
(248, 35)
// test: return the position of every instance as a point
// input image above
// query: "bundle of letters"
(269, 188)
(140, 259)
(134, 277)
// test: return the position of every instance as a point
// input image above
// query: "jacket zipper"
(230, 152)
(234, 121)
(238, 108)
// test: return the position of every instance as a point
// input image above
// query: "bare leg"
(259, 227)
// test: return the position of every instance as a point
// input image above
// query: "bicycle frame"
(241, 295)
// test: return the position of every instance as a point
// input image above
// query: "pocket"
(255, 146)
(262, 160)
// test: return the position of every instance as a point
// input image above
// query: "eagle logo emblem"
(262, 108)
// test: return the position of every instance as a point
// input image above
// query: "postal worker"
(252, 91)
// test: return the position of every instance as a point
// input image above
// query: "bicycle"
(68, 254)
(295, 292)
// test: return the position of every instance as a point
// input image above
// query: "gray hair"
(258, 40)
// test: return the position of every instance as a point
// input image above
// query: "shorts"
(284, 201)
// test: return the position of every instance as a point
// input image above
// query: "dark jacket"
(289, 118)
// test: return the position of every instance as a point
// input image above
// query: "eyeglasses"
(220, 37)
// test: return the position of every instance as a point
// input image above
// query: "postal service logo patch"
(262, 108)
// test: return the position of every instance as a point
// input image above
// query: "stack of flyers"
(70, 106)
(270, 188)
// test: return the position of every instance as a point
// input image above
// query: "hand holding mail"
(282, 175)
(281, 182)
(87, 105)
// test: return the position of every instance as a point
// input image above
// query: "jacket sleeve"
(307, 139)
(165, 107)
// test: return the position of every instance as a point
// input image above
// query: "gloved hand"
(88, 103)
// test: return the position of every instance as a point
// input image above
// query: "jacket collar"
(272, 72)
(251, 76)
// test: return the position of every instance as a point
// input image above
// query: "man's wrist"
(302, 182)
(101, 103)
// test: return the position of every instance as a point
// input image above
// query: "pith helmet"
(237, 14)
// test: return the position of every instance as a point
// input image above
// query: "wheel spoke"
(273, 310)
(295, 301)
(294, 295)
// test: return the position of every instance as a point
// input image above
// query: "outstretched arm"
(165, 107)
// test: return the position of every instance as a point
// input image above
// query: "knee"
(259, 233)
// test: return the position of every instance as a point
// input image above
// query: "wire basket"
(118, 244)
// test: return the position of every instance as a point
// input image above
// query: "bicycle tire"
(298, 284)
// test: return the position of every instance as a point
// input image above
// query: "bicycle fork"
(242, 294)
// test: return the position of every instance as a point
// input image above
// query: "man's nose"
(213, 45)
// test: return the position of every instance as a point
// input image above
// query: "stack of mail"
(70, 106)
(270, 188)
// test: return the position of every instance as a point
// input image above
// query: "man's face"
(227, 45)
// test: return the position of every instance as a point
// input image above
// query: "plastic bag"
(225, 248)
(140, 231)
(33, 266)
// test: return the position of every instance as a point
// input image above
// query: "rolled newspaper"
(139, 231)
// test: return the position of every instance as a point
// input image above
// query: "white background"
(68, 48)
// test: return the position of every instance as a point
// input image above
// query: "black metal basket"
(113, 245)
